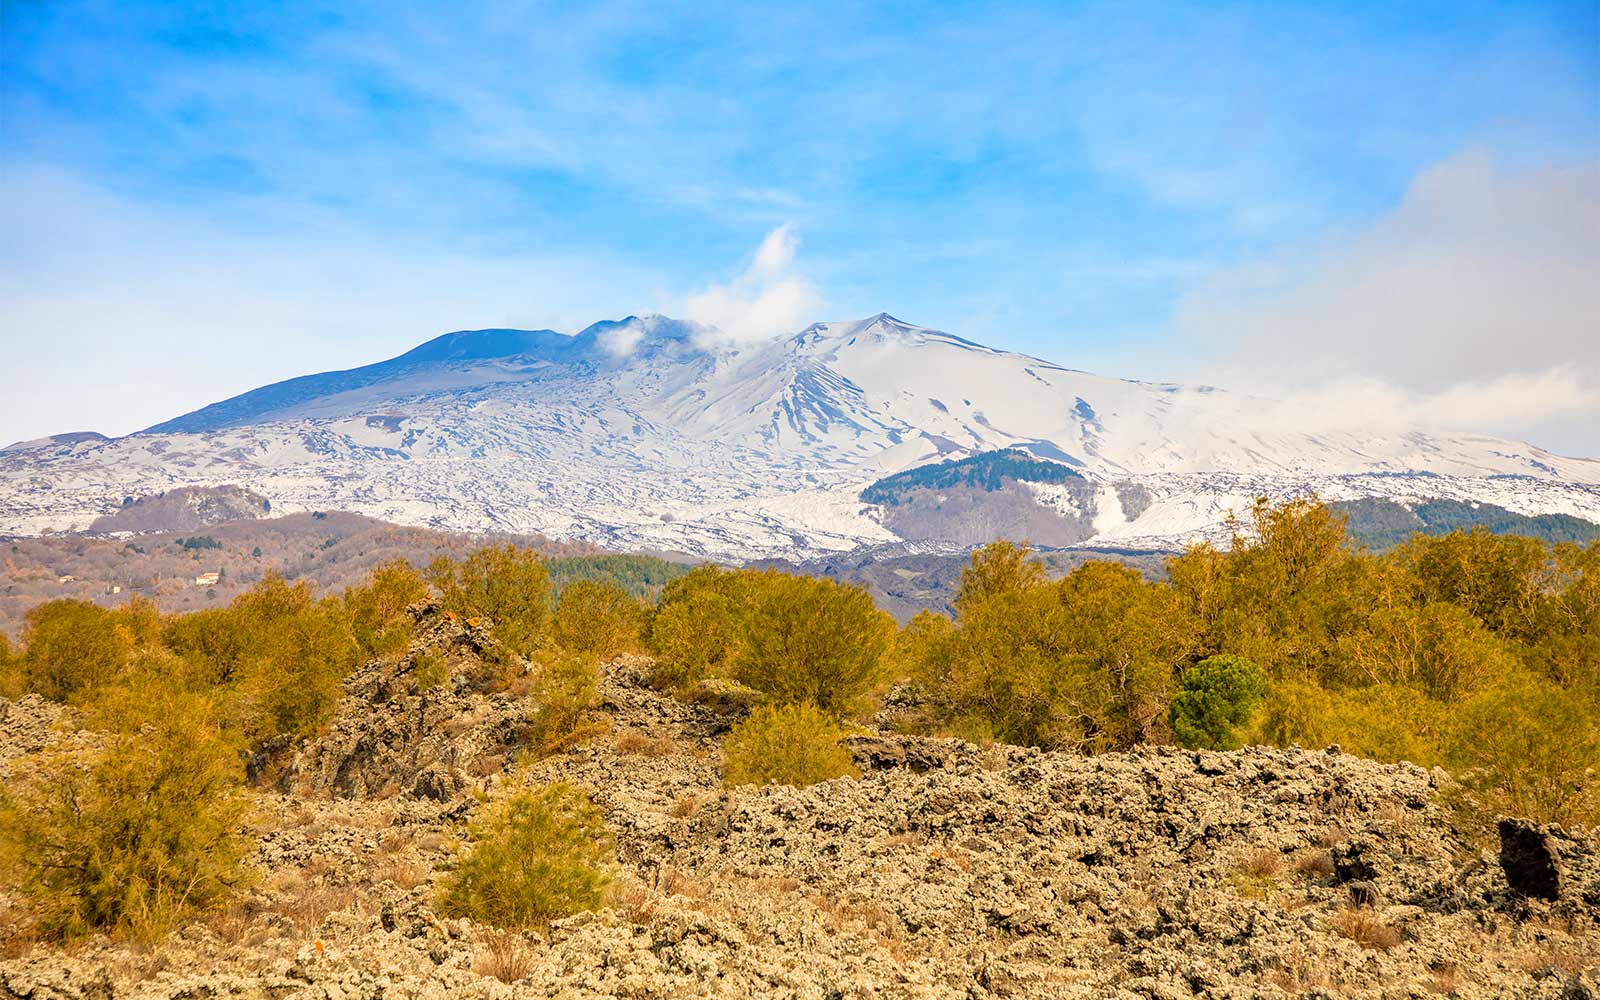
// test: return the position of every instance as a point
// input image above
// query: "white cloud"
(767, 300)
(1474, 305)
(619, 341)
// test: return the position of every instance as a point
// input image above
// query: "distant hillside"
(985, 472)
(906, 584)
(1383, 524)
(641, 576)
(1007, 493)
(173, 568)
(183, 510)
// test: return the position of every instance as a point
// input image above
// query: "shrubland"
(1477, 652)
(1470, 650)
(139, 821)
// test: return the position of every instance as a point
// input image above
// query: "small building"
(207, 579)
(69, 578)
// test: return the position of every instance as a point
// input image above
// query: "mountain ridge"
(652, 432)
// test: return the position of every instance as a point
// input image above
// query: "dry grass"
(1568, 957)
(487, 764)
(504, 955)
(1330, 838)
(631, 742)
(1256, 872)
(304, 904)
(1299, 974)
(1362, 926)
(1263, 863)
(237, 926)
(634, 900)
(1314, 864)
(407, 873)
(684, 806)
(1442, 979)
(907, 839)
(676, 883)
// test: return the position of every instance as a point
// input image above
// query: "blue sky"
(201, 198)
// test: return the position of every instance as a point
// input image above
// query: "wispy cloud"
(768, 299)
(1473, 305)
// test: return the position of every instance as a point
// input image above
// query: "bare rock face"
(1529, 859)
(947, 870)
(390, 737)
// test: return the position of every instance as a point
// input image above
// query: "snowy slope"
(649, 432)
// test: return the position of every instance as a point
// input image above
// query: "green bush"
(794, 744)
(540, 855)
(598, 618)
(1215, 700)
(10, 674)
(72, 647)
(131, 837)
(810, 639)
(695, 632)
(377, 608)
(508, 585)
(564, 688)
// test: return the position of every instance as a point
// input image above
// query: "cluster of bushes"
(1471, 650)
(814, 651)
(131, 829)
(1475, 651)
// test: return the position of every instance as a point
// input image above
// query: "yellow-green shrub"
(696, 630)
(1438, 646)
(377, 608)
(598, 618)
(131, 837)
(1530, 747)
(295, 665)
(535, 857)
(1086, 661)
(10, 675)
(794, 744)
(564, 688)
(71, 647)
(810, 639)
(509, 586)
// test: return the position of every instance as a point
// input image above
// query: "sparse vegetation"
(133, 835)
(790, 744)
(1476, 651)
(377, 608)
(1364, 927)
(534, 857)
(563, 686)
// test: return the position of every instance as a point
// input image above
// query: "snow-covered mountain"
(654, 433)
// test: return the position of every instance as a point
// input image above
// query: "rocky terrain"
(946, 870)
